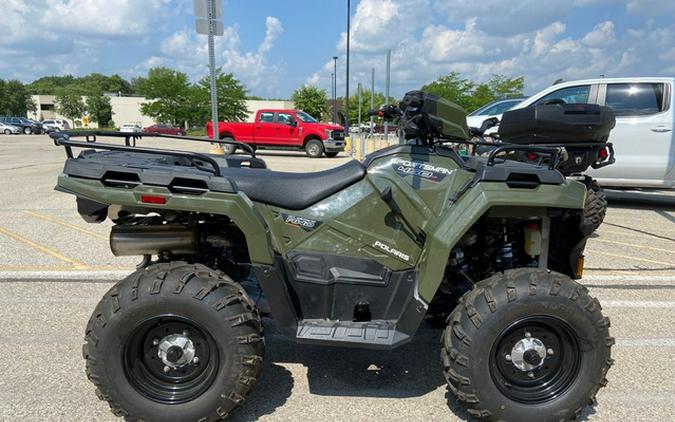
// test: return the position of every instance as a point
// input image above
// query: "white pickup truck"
(644, 140)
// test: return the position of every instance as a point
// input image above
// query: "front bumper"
(334, 145)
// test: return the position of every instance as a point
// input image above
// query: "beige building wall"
(254, 105)
(128, 109)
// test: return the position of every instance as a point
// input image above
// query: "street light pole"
(349, 6)
(333, 87)
(212, 67)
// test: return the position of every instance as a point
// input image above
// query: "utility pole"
(349, 6)
(333, 88)
(358, 90)
(386, 92)
(372, 99)
(212, 67)
(209, 22)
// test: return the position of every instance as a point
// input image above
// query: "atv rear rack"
(130, 139)
(555, 152)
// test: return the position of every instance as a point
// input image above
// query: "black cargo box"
(557, 124)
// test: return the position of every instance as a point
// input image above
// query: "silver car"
(9, 129)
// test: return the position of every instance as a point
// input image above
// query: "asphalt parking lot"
(54, 268)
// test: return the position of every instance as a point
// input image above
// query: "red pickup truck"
(283, 129)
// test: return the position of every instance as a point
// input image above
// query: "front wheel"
(314, 148)
(27, 130)
(229, 148)
(174, 339)
(526, 345)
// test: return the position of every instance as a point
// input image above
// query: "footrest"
(376, 334)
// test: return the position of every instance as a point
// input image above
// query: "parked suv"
(643, 138)
(55, 124)
(27, 126)
(495, 108)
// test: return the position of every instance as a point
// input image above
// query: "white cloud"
(537, 44)
(601, 36)
(650, 7)
(499, 17)
(274, 30)
(188, 52)
(381, 24)
(123, 18)
(57, 36)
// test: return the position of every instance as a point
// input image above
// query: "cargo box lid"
(557, 124)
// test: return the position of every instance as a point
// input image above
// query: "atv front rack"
(130, 139)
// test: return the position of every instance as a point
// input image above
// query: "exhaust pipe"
(153, 240)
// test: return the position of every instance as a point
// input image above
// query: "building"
(128, 109)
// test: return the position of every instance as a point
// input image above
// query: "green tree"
(231, 99)
(169, 92)
(85, 85)
(502, 86)
(99, 108)
(452, 87)
(14, 98)
(365, 105)
(70, 105)
(472, 95)
(311, 100)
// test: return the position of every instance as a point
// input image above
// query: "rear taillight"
(531, 156)
(153, 199)
(602, 154)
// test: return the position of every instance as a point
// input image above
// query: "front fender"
(458, 218)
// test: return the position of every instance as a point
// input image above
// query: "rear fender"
(462, 215)
(236, 206)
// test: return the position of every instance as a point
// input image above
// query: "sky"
(276, 46)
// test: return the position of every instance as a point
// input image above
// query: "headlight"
(329, 133)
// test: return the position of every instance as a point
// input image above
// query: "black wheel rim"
(558, 370)
(145, 369)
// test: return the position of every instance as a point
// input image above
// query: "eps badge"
(306, 224)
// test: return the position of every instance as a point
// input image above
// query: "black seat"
(293, 191)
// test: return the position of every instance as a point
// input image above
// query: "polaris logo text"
(391, 251)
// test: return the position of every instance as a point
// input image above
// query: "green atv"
(355, 256)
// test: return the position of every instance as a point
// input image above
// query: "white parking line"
(637, 399)
(63, 275)
(641, 304)
(634, 278)
(645, 342)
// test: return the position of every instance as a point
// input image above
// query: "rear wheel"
(174, 339)
(595, 207)
(8, 132)
(314, 148)
(526, 345)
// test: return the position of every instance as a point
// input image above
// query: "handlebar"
(387, 112)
